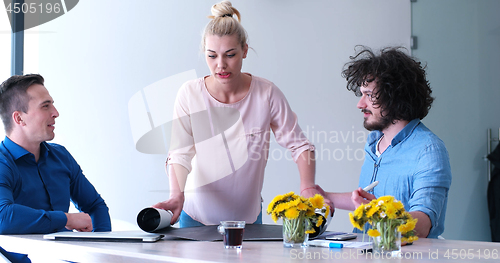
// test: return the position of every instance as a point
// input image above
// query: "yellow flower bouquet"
(299, 216)
(387, 217)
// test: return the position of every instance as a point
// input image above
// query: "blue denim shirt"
(415, 169)
(35, 195)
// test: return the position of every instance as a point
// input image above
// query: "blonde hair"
(223, 23)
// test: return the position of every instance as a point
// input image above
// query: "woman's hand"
(174, 204)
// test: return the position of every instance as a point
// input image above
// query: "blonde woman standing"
(220, 142)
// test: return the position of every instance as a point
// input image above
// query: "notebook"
(139, 236)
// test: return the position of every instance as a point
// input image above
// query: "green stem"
(294, 230)
(388, 235)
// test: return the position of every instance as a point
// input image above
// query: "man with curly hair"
(409, 161)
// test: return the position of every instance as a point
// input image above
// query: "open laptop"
(138, 236)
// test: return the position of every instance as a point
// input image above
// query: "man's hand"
(359, 196)
(81, 222)
(174, 204)
(424, 225)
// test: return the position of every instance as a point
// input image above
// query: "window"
(5, 50)
(5, 46)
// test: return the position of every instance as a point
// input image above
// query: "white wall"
(101, 53)
(459, 39)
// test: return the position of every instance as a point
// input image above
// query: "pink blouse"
(225, 148)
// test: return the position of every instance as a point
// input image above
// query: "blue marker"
(324, 243)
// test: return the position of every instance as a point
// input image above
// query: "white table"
(423, 250)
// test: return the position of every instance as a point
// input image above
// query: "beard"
(378, 125)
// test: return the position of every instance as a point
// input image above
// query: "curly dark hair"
(402, 93)
(13, 96)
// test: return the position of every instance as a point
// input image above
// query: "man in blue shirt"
(38, 179)
(410, 162)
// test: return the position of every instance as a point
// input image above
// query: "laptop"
(138, 236)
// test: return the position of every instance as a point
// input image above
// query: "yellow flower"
(398, 205)
(310, 231)
(373, 233)
(302, 207)
(403, 228)
(292, 213)
(292, 206)
(290, 194)
(281, 207)
(387, 199)
(274, 217)
(270, 207)
(372, 211)
(412, 239)
(359, 211)
(354, 222)
(317, 201)
(390, 210)
(373, 202)
(412, 223)
(295, 202)
(408, 226)
(387, 214)
(320, 221)
(303, 199)
(405, 215)
(310, 213)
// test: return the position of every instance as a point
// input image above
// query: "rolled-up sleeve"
(182, 149)
(431, 183)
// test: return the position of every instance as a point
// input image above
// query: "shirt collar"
(405, 132)
(17, 151)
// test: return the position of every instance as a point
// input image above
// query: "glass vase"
(294, 232)
(388, 242)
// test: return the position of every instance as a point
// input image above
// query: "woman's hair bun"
(224, 9)
(224, 23)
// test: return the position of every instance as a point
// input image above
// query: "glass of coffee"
(232, 231)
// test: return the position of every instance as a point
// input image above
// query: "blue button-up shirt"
(35, 195)
(415, 169)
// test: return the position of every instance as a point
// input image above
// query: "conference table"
(175, 250)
